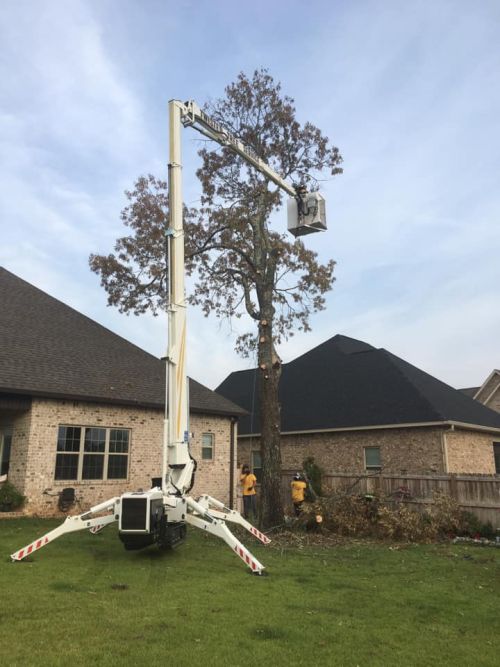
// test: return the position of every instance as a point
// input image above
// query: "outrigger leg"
(227, 514)
(85, 521)
(212, 521)
(207, 514)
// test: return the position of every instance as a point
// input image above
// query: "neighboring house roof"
(345, 383)
(489, 387)
(49, 349)
(469, 391)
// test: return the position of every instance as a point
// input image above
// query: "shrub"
(314, 474)
(445, 515)
(471, 526)
(10, 498)
(488, 531)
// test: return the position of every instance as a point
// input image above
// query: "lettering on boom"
(228, 138)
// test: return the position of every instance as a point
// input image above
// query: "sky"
(409, 92)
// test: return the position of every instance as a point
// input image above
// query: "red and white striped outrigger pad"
(96, 529)
(34, 546)
(246, 557)
(260, 536)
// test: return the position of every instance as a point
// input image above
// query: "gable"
(488, 393)
(494, 401)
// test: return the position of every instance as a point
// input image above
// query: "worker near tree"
(298, 492)
(248, 482)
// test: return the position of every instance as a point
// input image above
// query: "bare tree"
(241, 266)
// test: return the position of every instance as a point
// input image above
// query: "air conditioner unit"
(307, 214)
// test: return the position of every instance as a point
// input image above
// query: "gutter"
(107, 400)
(378, 427)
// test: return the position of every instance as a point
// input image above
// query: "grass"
(84, 600)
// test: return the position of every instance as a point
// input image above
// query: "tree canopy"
(239, 264)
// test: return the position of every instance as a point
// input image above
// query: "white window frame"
(211, 446)
(81, 453)
(372, 467)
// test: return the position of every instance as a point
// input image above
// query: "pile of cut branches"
(375, 516)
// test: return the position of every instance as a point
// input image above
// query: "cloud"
(66, 90)
(73, 135)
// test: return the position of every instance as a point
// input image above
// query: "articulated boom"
(161, 514)
(193, 116)
(306, 210)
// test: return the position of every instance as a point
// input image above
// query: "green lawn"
(84, 600)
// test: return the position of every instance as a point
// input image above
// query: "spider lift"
(160, 515)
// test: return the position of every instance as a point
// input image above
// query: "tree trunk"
(271, 505)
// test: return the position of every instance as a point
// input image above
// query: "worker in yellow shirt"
(298, 492)
(248, 482)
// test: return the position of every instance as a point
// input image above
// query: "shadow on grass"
(68, 587)
(265, 632)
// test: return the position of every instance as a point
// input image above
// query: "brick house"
(81, 407)
(489, 394)
(356, 408)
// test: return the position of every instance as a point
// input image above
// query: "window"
(207, 446)
(496, 452)
(91, 453)
(118, 453)
(5, 443)
(256, 464)
(372, 458)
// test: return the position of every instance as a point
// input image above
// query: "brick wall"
(470, 452)
(34, 452)
(212, 477)
(413, 450)
(21, 426)
(416, 450)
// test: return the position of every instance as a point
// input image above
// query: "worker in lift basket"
(298, 492)
(248, 482)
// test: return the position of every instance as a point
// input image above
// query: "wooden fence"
(479, 494)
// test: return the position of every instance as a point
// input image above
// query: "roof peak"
(347, 383)
(341, 343)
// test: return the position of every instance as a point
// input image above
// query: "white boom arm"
(178, 466)
(306, 211)
(193, 116)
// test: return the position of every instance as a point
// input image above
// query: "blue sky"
(409, 92)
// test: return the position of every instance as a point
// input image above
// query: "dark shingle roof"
(470, 391)
(49, 349)
(344, 383)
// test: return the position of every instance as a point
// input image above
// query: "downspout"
(232, 459)
(444, 449)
